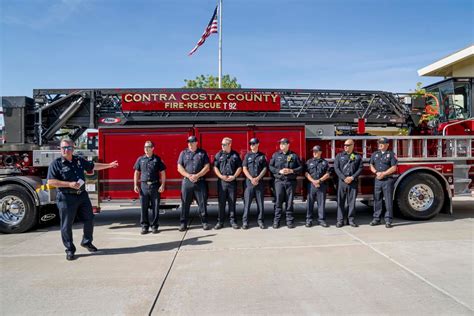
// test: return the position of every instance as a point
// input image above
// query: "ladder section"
(296, 106)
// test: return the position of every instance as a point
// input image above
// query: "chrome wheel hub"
(421, 197)
(12, 210)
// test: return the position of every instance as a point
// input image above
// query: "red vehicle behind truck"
(436, 160)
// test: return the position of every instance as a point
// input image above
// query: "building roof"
(447, 66)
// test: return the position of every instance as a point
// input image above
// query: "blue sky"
(330, 44)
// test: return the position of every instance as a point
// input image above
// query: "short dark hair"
(150, 142)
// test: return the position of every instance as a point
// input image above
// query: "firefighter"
(193, 164)
(149, 168)
(67, 174)
(227, 167)
(383, 164)
(317, 172)
(254, 168)
(285, 166)
(348, 166)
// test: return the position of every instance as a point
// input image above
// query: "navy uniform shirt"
(71, 171)
(281, 160)
(149, 168)
(193, 162)
(227, 163)
(382, 161)
(348, 165)
(255, 163)
(317, 167)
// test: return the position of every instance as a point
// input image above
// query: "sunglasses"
(67, 147)
(348, 145)
(253, 144)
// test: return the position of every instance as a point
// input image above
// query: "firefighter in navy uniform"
(254, 168)
(285, 166)
(227, 167)
(317, 172)
(348, 167)
(149, 168)
(67, 174)
(383, 164)
(193, 164)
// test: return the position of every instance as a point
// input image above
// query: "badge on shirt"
(289, 158)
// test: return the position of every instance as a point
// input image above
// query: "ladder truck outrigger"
(435, 154)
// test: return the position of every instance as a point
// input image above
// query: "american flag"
(211, 28)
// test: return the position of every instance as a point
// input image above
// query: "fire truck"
(435, 152)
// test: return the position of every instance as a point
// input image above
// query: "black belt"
(75, 192)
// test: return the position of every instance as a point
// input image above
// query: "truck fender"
(31, 183)
(448, 205)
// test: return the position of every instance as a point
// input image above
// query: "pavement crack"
(170, 267)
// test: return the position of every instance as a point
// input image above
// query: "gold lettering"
(137, 98)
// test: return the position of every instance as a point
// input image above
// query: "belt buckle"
(78, 192)
(149, 182)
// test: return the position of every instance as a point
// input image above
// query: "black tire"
(23, 199)
(427, 204)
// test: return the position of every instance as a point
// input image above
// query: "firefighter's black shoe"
(70, 256)
(205, 226)
(245, 226)
(388, 225)
(218, 226)
(234, 225)
(339, 224)
(183, 227)
(89, 246)
(374, 223)
(290, 225)
(261, 225)
(276, 225)
(144, 231)
(353, 224)
(309, 224)
(323, 224)
(154, 230)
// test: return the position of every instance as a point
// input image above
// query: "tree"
(209, 81)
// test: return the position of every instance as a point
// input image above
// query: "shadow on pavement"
(149, 248)
(169, 221)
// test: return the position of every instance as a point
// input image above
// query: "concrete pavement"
(415, 268)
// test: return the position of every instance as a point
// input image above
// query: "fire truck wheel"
(419, 196)
(17, 210)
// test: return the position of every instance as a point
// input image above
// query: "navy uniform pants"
(150, 199)
(226, 194)
(251, 192)
(284, 192)
(383, 189)
(70, 206)
(190, 191)
(316, 195)
(346, 192)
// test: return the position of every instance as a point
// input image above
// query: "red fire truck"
(435, 157)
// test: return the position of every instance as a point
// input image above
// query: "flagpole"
(220, 44)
